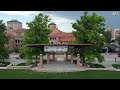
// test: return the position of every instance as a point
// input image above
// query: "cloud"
(21, 13)
(64, 24)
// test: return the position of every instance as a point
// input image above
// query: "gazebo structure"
(59, 48)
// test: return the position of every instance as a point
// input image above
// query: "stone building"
(15, 39)
(14, 25)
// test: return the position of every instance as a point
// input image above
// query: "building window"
(16, 45)
(21, 41)
(51, 42)
(55, 38)
(50, 38)
(16, 41)
(61, 42)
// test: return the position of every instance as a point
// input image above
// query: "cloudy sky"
(63, 19)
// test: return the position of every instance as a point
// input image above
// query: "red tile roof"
(66, 39)
(10, 32)
(61, 34)
(19, 30)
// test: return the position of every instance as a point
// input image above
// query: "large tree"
(3, 39)
(89, 29)
(36, 34)
(108, 36)
(118, 40)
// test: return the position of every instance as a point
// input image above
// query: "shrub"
(22, 64)
(95, 65)
(116, 66)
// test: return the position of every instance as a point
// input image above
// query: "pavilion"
(59, 48)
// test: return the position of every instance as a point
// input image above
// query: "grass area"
(116, 66)
(29, 74)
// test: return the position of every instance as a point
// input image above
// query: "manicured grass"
(29, 74)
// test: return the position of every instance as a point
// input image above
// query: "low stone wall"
(18, 67)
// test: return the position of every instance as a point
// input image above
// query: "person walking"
(115, 59)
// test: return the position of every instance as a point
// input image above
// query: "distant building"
(15, 38)
(59, 37)
(115, 33)
(14, 25)
(55, 37)
(54, 29)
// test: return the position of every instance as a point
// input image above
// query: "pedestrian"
(115, 59)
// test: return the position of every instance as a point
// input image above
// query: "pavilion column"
(41, 61)
(72, 58)
(53, 56)
(66, 56)
(78, 61)
(48, 58)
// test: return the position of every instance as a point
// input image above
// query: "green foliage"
(16, 50)
(117, 66)
(95, 65)
(90, 29)
(108, 36)
(4, 53)
(36, 34)
(118, 40)
(119, 53)
(21, 64)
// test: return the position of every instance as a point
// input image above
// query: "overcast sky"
(63, 19)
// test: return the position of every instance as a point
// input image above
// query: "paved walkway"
(58, 66)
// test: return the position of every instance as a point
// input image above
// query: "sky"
(63, 19)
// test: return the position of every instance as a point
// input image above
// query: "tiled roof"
(19, 30)
(66, 39)
(11, 32)
(61, 34)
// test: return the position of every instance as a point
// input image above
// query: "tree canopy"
(36, 34)
(108, 36)
(3, 39)
(90, 29)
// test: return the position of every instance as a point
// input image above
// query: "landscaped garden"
(29, 74)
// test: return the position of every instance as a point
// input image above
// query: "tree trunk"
(83, 61)
(3, 59)
(36, 57)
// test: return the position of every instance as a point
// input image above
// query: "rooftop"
(61, 34)
(66, 39)
(52, 23)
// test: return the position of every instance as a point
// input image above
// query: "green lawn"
(29, 74)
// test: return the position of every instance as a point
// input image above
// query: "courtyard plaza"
(61, 64)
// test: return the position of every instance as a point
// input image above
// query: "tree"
(89, 29)
(108, 36)
(3, 39)
(36, 34)
(118, 40)
(16, 50)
